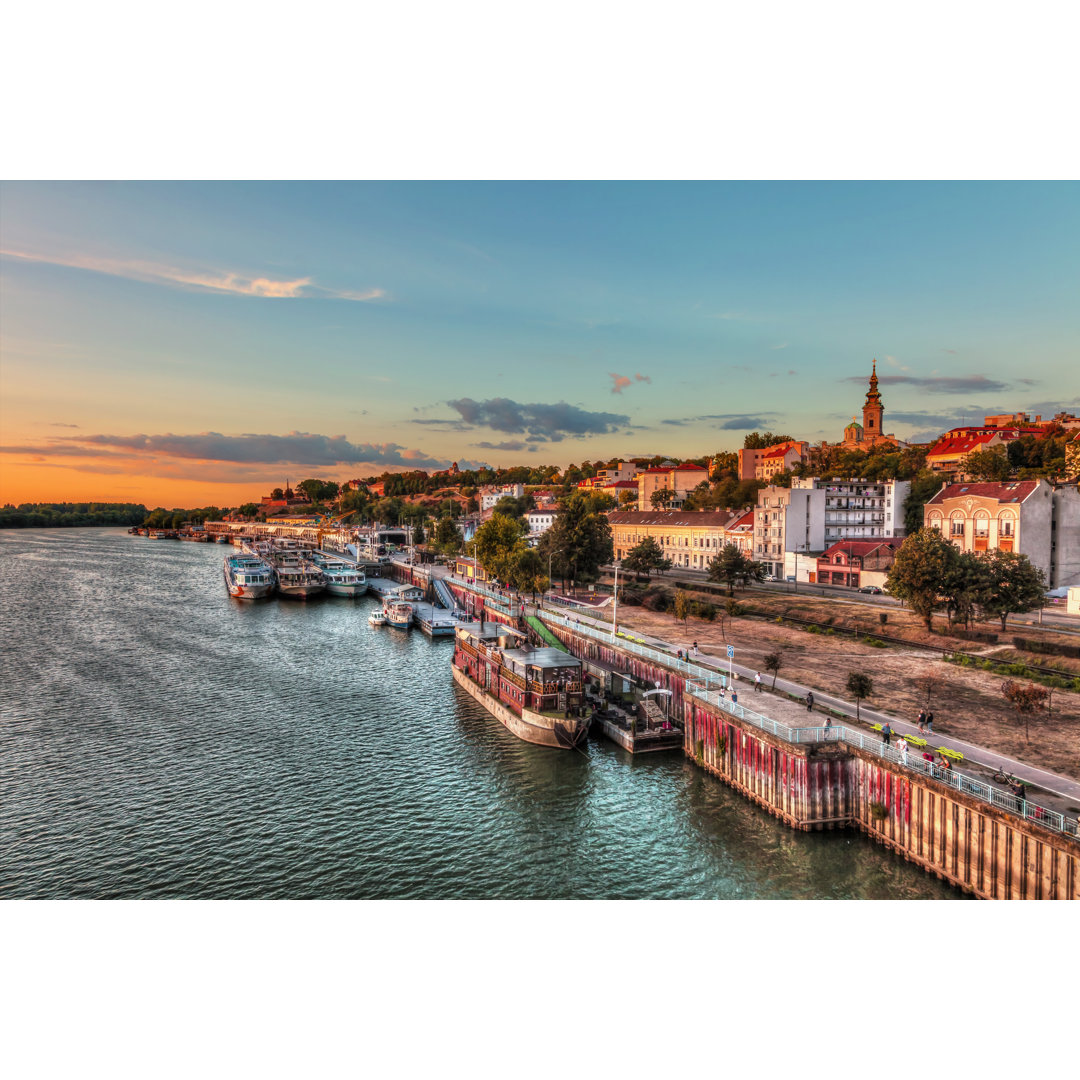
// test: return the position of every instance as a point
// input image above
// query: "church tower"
(873, 411)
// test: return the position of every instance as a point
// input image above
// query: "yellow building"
(689, 538)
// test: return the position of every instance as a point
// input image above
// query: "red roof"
(624, 484)
(745, 522)
(778, 451)
(857, 547)
(689, 468)
(1005, 491)
(698, 518)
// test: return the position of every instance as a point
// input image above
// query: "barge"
(537, 694)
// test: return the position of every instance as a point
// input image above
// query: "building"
(740, 532)
(1072, 457)
(680, 480)
(766, 462)
(540, 520)
(689, 538)
(605, 477)
(951, 450)
(1030, 517)
(861, 509)
(855, 563)
(491, 494)
(787, 519)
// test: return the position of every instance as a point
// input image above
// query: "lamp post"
(615, 606)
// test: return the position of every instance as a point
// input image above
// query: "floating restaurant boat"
(248, 577)
(538, 694)
(343, 578)
(399, 614)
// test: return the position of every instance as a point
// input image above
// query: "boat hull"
(354, 590)
(301, 592)
(531, 727)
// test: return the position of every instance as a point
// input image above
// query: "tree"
(448, 536)
(756, 441)
(499, 543)
(579, 542)
(524, 568)
(248, 510)
(682, 605)
(772, 662)
(1025, 700)
(419, 536)
(644, 558)
(627, 498)
(990, 464)
(962, 587)
(1010, 584)
(929, 682)
(924, 486)
(277, 494)
(923, 563)
(661, 498)
(859, 686)
(730, 567)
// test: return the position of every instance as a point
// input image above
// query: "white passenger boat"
(399, 614)
(296, 576)
(343, 578)
(248, 577)
(377, 617)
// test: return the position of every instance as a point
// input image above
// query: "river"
(159, 739)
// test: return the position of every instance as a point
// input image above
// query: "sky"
(187, 343)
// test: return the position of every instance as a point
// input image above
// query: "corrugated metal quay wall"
(817, 786)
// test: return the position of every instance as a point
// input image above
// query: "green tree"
(448, 536)
(990, 464)
(1010, 584)
(962, 587)
(644, 558)
(923, 563)
(277, 494)
(578, 544)
(682, 605)
(419, 536)
(731, 567)
(757, 441)
(924, 486)
(773, 662)
(859, 686)
(499, 544)
(662, 498)
(248, 510)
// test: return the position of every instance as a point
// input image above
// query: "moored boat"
(343, 578)
(377, 617)
(296, 576)
(248, 577)
(538, 694)
(399, 614)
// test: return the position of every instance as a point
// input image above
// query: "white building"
(490, 495)
(788, 519)
(860, 509)
(541, 520)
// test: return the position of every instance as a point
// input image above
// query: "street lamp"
(615, 606)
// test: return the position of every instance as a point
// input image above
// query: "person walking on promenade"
(886, 732)
(757, 683)
(694, 650)
(734, 696)
(922, 720)
(828, 725)
(810, 701)
(930, 723)
(901, 745)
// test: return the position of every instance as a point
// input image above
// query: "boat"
(537, 694)
(248, 577)
(377, 617)
(295, 575)
(343, 578)
(398, 613)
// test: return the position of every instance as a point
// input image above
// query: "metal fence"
(705, 685)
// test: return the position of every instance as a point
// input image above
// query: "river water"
(159, 739)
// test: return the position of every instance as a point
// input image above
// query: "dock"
(433, 620)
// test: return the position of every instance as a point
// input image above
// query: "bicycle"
(1003, 777)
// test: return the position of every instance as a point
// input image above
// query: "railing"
(702, 681)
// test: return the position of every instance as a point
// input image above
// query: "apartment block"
(788, 519)
(860, 509)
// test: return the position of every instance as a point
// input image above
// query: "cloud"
(744, 423)
(510, 445)
(56, 423)
(950, 384)
(295, 448)
(775, 347)
(540, 422)
(729, 421)
(643, 378)
(204, 280)
(620, 382)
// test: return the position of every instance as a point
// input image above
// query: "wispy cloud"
(539, 422)
(204, 280)
(783, 345)
(621, 382)
(945, 384)
(294, 448)
(728, 421)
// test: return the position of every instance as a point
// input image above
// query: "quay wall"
(813, 786)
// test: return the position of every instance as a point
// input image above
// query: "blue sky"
(161, 336)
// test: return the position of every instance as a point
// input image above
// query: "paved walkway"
(792, 712)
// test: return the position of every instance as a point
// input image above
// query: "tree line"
(70, 515)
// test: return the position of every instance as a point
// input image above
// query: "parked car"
(871, 589)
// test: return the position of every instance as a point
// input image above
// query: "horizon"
(191, 344)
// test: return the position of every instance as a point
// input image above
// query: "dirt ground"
(967, 705)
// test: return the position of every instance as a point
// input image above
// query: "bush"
(874, 643)
(879, 811)
(655, 600)
(704, 611)
(779, 620)
(812, 629)
(830, 630)
(732, 607)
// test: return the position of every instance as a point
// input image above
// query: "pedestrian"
(828, 724)
(886, 733)
(810, 701)
(757, 683)
(694, 650)
(922, 720)
(930, 723)
(734, 696)
(901, 745)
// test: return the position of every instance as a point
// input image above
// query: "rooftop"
(1008, 491)
(686, 518)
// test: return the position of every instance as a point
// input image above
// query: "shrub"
(732, 607)
(830, 630)
(879, 811)
(779, 620)
(699, 751)
(874, 643)
(812, 629)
